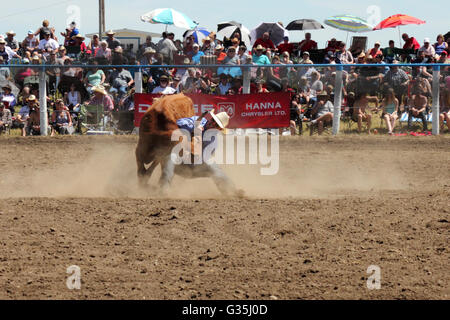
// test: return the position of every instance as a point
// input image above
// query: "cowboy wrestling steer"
(155, 146)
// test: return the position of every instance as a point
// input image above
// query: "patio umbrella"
(349, 23)
(398, 20)
(169, 16)
(227, 29)
(275, 30)
(198, 33)
(304, 24)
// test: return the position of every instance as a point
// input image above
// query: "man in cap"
(428, 48)
(30, 43)
(196, 54)
(11, 42)
(202, 137)
(48, 42)
(9, 97)
(5, 116)
(113, 43)
(164, 87)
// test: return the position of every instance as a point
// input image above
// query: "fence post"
(435, 105)
(43, 102)
(138, 81)
(337, 99)
(246, 79)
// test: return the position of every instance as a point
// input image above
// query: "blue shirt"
(262, 59)
(189, 125)
(196, 57)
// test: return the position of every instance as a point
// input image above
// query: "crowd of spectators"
(386, 91)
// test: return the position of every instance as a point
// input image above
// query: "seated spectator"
(47, 42)
(24, 114)
(61, 120)
(79, 42)
(242, 54)
(94, 77)
(322, 112)
(120, 80)
(118, 57)
(330, 58)
(360, 112)
(231, 60)
(62, 57)
(417, 108)
(427, 48)
(440, 46)
(316, 85)
(273, 75)
(164, 87)
(103, 53)
(94, 45)
(390, 106)
(148, 57)
(9, 97)
(148, 44)
(307, 44)
(285, 46)
(5, 116)
(11, 42)
(102, 98)
(196, 54)
(219, 53)
(379, 60)
(224, 85)
(295, 111)
(444, 108)
(5, 52)
(258, 57)
(30, 44)
(73, 98)
(187, 44)
(5, 74)
(208, 46)
(260, 87)
(234, 40)
(410, 42)
(332, 46)
(343, 56)
(390, 53)
(265, 42)
(375, 50)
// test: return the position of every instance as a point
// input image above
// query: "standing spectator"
(45, 28)
(11, 42)
(428, 48)
(264, 41)
(332, 46)
(196, 54)
(286, 46)
(440, 46)
(168, 48)
(343, 56)
(79, 42)
(390, 106)
(410, 42)
(307, 44)
(375, 50)
(164, 87)
(73, 98)
(113, 43)
(444, 108)
(147, 44)
(5, 116)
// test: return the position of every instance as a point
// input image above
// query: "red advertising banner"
(260, 110)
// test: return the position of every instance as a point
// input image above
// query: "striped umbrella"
(349, 23)
(198, 33)
(169, 16)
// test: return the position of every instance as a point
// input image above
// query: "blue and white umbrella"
(169, 16)
(198, 33)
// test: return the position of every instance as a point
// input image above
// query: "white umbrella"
(169, 16)
(227, 29)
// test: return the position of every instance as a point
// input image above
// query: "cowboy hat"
(149, 50)
(206, 39)
(7, 86)
(11, 32)
(219, 47)
(100, 89)
(110, 32)
(79, 36)
(322, 93)
(2, 41)
(31, 98)
(222, 119)
(260, 47)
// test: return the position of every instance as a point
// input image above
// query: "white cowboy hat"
(222, 119)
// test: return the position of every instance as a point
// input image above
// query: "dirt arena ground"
(337, 206)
